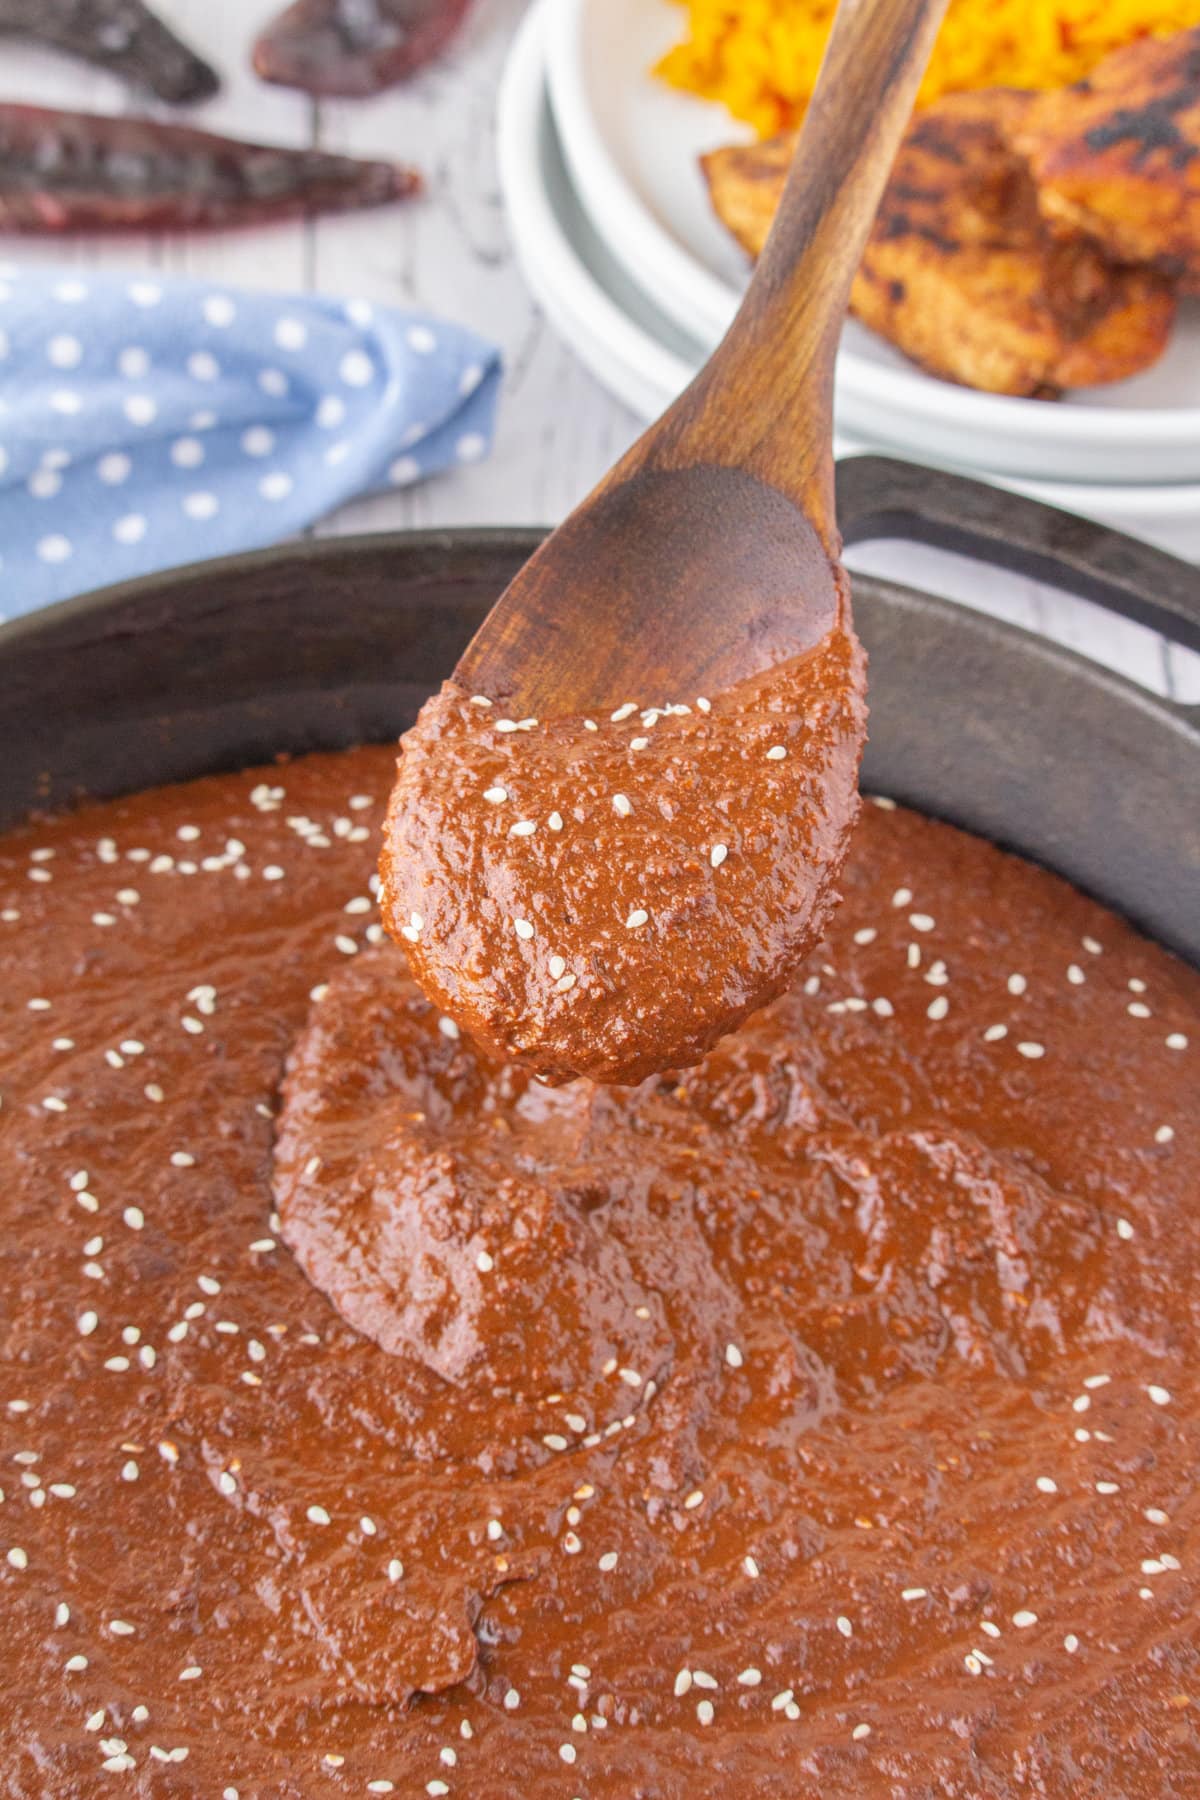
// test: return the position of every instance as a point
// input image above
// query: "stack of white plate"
(611, 222)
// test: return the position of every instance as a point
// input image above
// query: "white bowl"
(631, 145)
(643, 357)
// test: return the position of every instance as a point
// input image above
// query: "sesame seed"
(17, 1558)
(750, 1567)
(316, 1515)
(1164, 1134)
(776, 753)
(554, 1440)
(867, 935)
(623, 712)
(608, 1562)
(476, 700)
(134, 1217)
(567, 1752)
(988, 1627)
(1045, 1485)
(1176, 1040)
(485, 1263)
(683, 1682)
(1107, 1487)
(860, 1732)
(733, 1356)
(1017, 984)
(844, 1626)
(1124, 1229)
(782, 1700)
(523, 929)
(121, 1628)
(704, 1711)
(1159, 1395)
(750, 1677)
(636, 918)
(1023, 1620)
(913, 1593)
(86, 1323)
(554, 822)
(564, 984)
(1031, 1050)
(937, 1008)
(693, 1500)
(523, 828)
(621, 805)
(395, 1569)
(1070, 1643)
(1156, 1515)
(557, 965)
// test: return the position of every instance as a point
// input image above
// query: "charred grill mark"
(1151, 127)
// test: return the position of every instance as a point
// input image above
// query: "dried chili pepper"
(68, 171)
(122, 36)
(354, 47)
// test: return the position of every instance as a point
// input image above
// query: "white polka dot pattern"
(152, 421)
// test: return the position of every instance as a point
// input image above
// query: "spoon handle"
(764, 400)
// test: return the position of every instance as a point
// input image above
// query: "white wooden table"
(558, 429)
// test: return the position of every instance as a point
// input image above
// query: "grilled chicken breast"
(961, 272)
(1118, 156)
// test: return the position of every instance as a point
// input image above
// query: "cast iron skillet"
(336, 642)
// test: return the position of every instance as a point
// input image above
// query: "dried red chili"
(69, 171)
(354, 47)
(123, 36)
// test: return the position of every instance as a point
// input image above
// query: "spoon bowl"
(710, 552)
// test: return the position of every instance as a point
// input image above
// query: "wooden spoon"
(710, 552)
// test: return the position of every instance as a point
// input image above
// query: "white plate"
(631, 146)
(642, 356)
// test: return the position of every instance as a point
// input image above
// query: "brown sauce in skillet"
(821, 1421)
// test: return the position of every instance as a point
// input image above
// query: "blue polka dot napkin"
(147, 422)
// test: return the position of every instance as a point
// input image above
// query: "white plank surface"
(558, 429)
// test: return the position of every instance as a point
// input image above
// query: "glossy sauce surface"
(819, 1422)
(608, 896)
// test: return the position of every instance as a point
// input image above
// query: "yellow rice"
(760, 57)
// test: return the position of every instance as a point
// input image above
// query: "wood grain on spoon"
(619, 828)
(706, 553)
